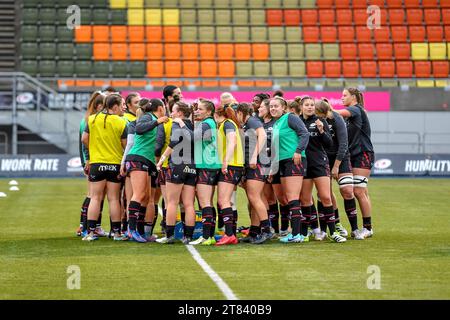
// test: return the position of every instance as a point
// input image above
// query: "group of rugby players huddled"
(135, 150)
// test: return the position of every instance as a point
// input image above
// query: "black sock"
(352, 214)
(296, 216)
(207, 217)
(99, 220)
(284, 212)
(163, 221)
(170, 231)
(84, 210)
(336, 216)
(133, 212)
(254, 231)
(189, 231)
(274, 216)
(367, 223)
(322, 218)
(155, 219)
(140, 220)
(148, 228)
(329, 218)
(183, 216)
(265, 226)
(213, 222)
(228, 221)
(220, 223)
(124, 224)
(314, 221)
(92, 224)
(115, 226)
(306, 217)
(235, 219)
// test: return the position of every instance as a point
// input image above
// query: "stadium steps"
(8, 53)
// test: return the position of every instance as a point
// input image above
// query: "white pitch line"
(229, 294)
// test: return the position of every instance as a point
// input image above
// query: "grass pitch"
(411, 248)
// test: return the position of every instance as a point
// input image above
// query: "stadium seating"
(237, 38)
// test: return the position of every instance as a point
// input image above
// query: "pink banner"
(373, 101)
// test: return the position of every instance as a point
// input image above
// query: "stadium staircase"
(7, 35)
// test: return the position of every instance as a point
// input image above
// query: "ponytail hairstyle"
(278, 93)
(295, 104)
(97, 98)
(209, 106)
(129, 98)
(146, 105)
(172, 102)
(323, 107)
(262, 96)
(228, 113)
(245, 108)
(184, 109)
(359, 96)
(109, 103)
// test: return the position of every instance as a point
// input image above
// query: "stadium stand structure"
(142, 43)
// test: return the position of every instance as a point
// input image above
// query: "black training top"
(251, 140)
(268, 127)
(338, 132)
(315, 152)
(358, 127)
(182, 143)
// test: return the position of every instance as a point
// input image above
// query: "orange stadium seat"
(386, 69)
(225, 51)
(404, 69)
(417, 33)
(350, 69)
(342, 3)
(359, 4)
(171, 34)
(260, 51)
(207, 51)
(153, 33)
(360, 17)
(83, 34)
(189, 51)
(246, 83)
(210, 83)
(324, 3)
(155, 69)
(208, 69)
(396, 16)
(263, 83)
(243, 51)
(292, 17)
(311, 34)
(314, 69)
(414, 16)
(191, 69)
(172, 51)
(328, 34)
(173, 69)
(384, 51)
(399, 33)
(309, 17)
(344, 17)
(332, 69)
(447, 33)
(137, 51)
(274, 17)
(159, 83)
(379, 3)
(226, 69)
(382, 34)
(101, 51)
(136, 34)
(446, 16)
(430, 3)
(440, 69)
(366, 51)
(368, 69)
(363, 34)
(402, 51)
(422, 69)
(119, 33)
(326, 17)
(119, 51)
(101, 33)
(432, 16)
(383, 17)
(348, 51)
(346, 34)
(155, 51)
(412, 3)
(435, 33)
(138, 83)
(394, 3)
(120, 83)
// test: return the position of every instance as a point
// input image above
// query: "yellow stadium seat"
(171, 17)
(274, 4)
(425, 83)
(222, 17)
(205, 17)
(296, 51)
(224, 34)
(152, 4)
(135, 17)
(442, 83)
(279, 69)
(259, 34)
(118, 4)
(153, 17)
(189, 17)
(262, 69)
(136, 4)
(448, 50)
(438, 51)
(297, 69)
(419, 51)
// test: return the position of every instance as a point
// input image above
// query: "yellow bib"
(238, 158)
(167, 133)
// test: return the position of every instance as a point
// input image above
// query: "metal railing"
(4, 144)
(419, 143)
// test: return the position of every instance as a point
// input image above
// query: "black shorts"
(207, 176)
(109, 172)
(318, 171)
(181, 174)
(161, 181)
(233, 175)
(364, 160)
(149, 167)
(345, 166)
(259, 174)
(287, 168)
